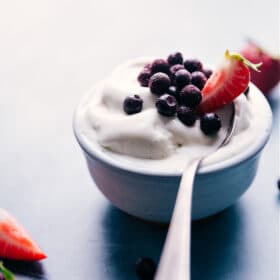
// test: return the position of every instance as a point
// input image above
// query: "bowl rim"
(100, 155)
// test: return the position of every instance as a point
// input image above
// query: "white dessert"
(151, 141)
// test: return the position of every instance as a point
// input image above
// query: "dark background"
(51, 52)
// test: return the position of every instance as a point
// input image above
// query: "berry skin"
(186, 115)
(269, 75)
(166, 105)
(175, 68)
(160, 65)
(182, 78)
(210, 123)
(15, 242)
(190, 96)
(198, 79)
(207, 73)
(193, 65)
(145, 268)
(132, 104)
(148, 66)
(175, 58)
(159, 83)
(144, 77)
(278, 184)
(226, 83)
(172, 90)
(1, 277)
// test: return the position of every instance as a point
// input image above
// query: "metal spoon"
(175, 259)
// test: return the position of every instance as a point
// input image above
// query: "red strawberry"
(226, 83)
(15, 242)
(270, 68)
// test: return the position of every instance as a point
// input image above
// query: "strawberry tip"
(41, 256)
(237, 56)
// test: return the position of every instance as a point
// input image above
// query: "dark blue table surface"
(53, 51)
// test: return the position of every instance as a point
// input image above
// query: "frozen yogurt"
(150, 140)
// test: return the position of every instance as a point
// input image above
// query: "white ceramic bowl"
(151, 196)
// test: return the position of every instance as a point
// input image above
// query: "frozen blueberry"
(160, 65)
(166, 105)
(175, 68)
(145, 268)
(181, 78)
(186, 115)
(144, 77)
(172, 90)
(159, 83)
(210, 123)
(198, 79)
(193, 65)
(207, 73)
(247, 91)
(132, 104)
(278, 184)
(175, 58)
(148, 66)
(190, 96)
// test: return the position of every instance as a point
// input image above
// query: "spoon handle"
(175, 259)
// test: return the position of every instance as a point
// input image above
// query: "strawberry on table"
(227, 82)
(269, 76)
(15, 242)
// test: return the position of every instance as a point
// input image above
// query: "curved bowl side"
(152, 198)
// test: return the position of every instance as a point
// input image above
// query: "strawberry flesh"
(15, 242)
(269, 76)
(225, 84)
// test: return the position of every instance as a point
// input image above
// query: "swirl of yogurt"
(153, 141)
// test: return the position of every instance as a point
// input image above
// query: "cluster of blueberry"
(178, 85)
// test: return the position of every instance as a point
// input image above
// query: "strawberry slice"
(15, 242)
(226, 83)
